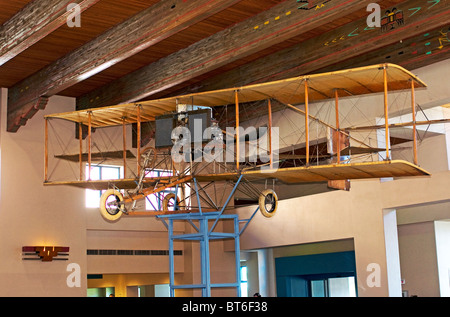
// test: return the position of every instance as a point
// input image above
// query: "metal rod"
(138, 156)
(193, 225)
(247, 221)
(336, 95)
(175, 203)
(204, 245)
(386, 111)
(171, 259)
(198, 197)
(193, 286)
(326, 124)
(307, 121)
(413, 109)
(46, 150)
(208, 198)
(226, 203)
(237, 253)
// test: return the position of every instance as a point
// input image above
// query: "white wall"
(442, 231)
(34, 214)
(424, 248)
(31, 214)
(418, 259)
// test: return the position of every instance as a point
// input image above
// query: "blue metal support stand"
(204, 235)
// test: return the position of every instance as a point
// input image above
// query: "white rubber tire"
(166, 200)
(103, 205)
(268, 213)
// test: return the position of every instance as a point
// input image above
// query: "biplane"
(193, 172)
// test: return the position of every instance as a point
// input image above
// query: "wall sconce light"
(45, 253)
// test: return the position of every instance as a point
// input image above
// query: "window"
(244, 282)
(154, 201)
(319, 288)
(100, 172)
(333, 287)
(104, 172)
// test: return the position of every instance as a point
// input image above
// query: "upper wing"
(356, 81)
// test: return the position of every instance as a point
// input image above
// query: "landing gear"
(112, 205)
(169, 202)
(268, 203)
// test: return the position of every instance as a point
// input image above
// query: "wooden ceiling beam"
(148, 27)
(423, 49)
(351, 45)
(34, 22)
(264, 30)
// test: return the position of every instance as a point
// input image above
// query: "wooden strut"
(46, 150)
(386, 112)
(148, 191)
(270, 133)
(138, 155)
(307, 121)
(400, 124)
(413, 106)
(338, 126)
(89, 143)
(124, 132)
(80, 155)
(237, 129)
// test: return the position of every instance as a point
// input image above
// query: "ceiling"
(131, 50)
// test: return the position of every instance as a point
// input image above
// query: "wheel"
(268, 203)
(169, 201)
(148, 157)
(111, 204)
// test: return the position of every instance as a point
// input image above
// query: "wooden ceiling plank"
(266, 29)
(34, 22)
(120, 42)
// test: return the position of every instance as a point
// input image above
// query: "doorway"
(317, 275)
(333, 287)
(101, 292)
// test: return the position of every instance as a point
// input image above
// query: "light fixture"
(45, 253)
